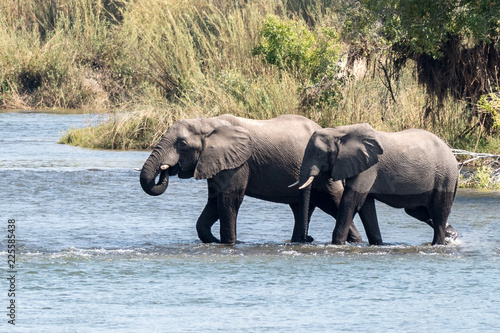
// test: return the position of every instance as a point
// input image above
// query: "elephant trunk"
(301, 227)
(313, 163)
(149, 173)
(308, 171)
(307, 174)
(153, 167)
(149, 184)
(300, 231)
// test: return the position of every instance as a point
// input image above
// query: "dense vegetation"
(394, 64)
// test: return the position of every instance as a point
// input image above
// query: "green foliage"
(290, 45)
(483, 178)
(324, 72)
(325, 55)
(361, 30)
(312, 57)
(490, 103)
(423, 26)
(287, 44)
(454, 44)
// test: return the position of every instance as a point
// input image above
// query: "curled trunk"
(150, 172)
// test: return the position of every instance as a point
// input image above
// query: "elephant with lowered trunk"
(239, 157)
(412, 169)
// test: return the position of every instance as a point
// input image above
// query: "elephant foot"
(208, 238)
(451, 233)
(354, 236)
(354, 239)
(307, 239)
(212, 241)
(338, 242)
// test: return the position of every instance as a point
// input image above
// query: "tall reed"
(162, 60)
(51, 52)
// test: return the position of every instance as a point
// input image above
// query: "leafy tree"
(286, 44)
(312, 57)
(455, 43)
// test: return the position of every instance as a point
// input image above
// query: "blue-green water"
(96, 254)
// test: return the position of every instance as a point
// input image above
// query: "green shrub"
(312, 57)
(287, 44)
(490, 104)
(483, 178)
(290, 45)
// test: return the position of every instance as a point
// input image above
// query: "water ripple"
(195, 249)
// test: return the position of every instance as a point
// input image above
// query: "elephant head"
(343, 151)
(198, 148)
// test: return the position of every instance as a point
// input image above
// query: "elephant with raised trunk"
(412, 169)
(239, 157)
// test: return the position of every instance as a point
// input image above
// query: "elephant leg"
(368, 215)
(327, 204)
(349, 205)
(229, 187)
(207, 219)
(353, 235)
(439, 210)
(439, 231)
(422, 214)
(300, 232)
(229, 205)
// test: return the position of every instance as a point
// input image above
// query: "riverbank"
(147, 64)
(478, 170)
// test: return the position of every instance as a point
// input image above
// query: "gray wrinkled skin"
(412, 169)
(238, 157)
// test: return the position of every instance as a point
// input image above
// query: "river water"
(95, 253)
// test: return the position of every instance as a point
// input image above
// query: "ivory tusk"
(165, 167)
(306, 184)
(294, 184)
(137, 169)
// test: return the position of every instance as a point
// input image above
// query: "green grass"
(126, 130)
(162, 60)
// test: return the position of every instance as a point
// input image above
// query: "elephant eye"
(182, 144)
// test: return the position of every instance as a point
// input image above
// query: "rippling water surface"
(95, 253)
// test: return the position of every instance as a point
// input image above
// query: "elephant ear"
(357, 150)
(227, 147)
